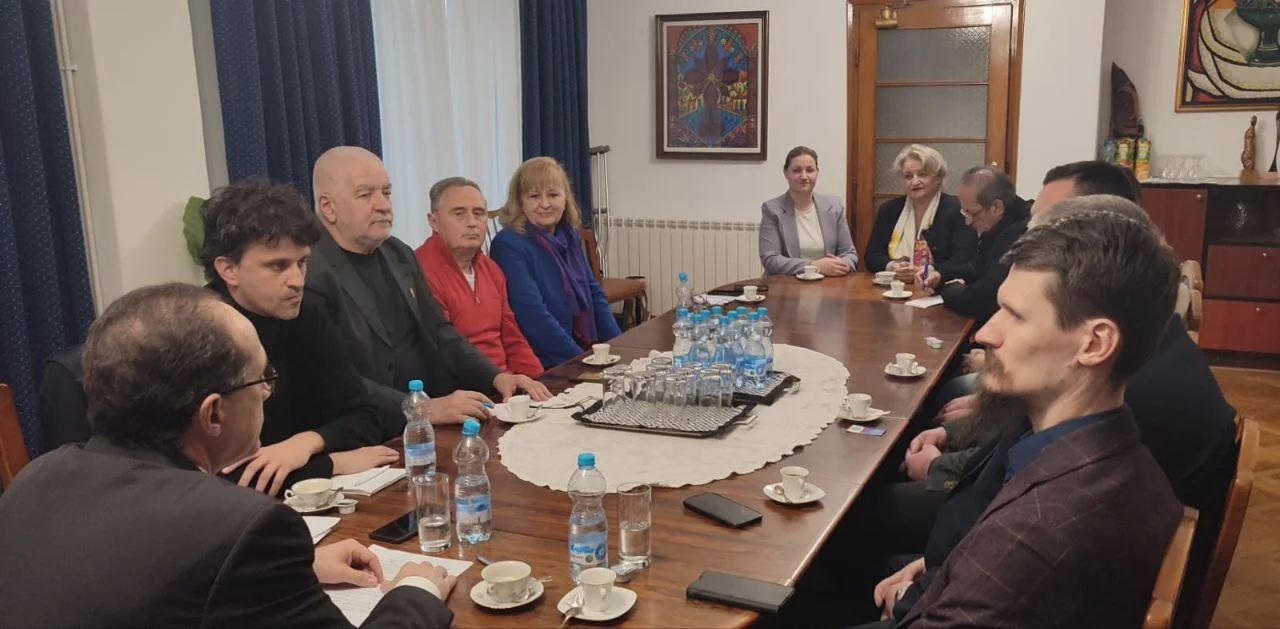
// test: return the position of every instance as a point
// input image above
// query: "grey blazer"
(780, 243)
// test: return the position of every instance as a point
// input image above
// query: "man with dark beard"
(1063, 520)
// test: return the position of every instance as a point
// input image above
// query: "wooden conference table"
(845, 318)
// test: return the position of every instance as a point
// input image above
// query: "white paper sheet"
(319, 526)
(368, 482)
(357, 603)
(926, 302)
(719, 300)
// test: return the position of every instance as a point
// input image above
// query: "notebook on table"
(368, 482)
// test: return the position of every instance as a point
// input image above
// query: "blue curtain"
(294, 79)
(45, 300)
(553, 60)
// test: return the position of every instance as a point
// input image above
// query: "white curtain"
(449, 87)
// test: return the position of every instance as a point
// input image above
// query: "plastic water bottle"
(588, 524)
(765, 325)
(681, 350)
(724, 349)
(419, 436)
(741, 331)
(703, 345)
(684, 292)
(753, 371)
(471, 489)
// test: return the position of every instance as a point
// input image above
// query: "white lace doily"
(545, 452)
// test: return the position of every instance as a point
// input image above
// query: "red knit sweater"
(482, 315)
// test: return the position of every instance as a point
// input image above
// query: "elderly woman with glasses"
(925, 225)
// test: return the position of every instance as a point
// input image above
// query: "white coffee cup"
(859, 404)
(507, 581)
(884, 277)
(600, 352)
(810, 270)
(597, 587)
(749, 291)
(897, 287)
(906, 362)
(311, 493)
(518, 406)
(793, 482)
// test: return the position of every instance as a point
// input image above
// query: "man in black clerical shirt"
(320, 421)
(373, 291)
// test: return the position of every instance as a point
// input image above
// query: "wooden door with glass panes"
(935, 72)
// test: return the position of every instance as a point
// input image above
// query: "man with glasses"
(320, 421)
(992, 208)
(131, 529)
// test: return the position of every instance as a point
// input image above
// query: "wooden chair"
(1192, 274)
(492, 228)
(631, 291)
(1206, 600)
(1164, 597)
(13, 450)
(1190, 304)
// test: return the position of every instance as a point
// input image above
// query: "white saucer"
(812, 493)
(809, 278)
(906, 294)
(504, 415)
(480, 594)
(333, 502)
(892, 369)
(879, 283)
(872, 415)
(744, 299)
(620, 602)
(591, 360)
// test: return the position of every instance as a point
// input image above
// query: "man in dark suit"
(992, 208)
(1073, 525)
(375, 293)
(133, 529)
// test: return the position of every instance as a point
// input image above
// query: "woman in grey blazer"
(801, 227)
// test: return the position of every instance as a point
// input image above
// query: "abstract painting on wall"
(712, 85)
(1229, 56)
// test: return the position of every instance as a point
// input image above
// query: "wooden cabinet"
(1241, 271)
(1233, 228)
(1180, 214)
(1242, 326)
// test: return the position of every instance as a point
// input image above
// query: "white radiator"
(711, 252)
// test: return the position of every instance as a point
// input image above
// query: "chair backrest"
(1232, 521)
(1191, 274)
(593, 253)
(492, 227)
(1164, 596)
(13, 450)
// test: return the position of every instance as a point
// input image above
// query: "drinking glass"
(726, 383)
(634, 520)
(709, 388)
(674, 398)
(431, 493)
(614, 383)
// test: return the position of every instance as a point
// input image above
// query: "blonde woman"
(923, 215)
(557, 301)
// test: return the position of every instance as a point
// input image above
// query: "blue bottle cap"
(684, 277)
(415, 386)
(762, 310)
(715, 310)
(682, 312)
(586, 459)
(470, 427)
(753, 317)
(724, 320)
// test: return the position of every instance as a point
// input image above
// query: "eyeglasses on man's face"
(268, 379)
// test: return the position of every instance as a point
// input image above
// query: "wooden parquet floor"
(1251, 597)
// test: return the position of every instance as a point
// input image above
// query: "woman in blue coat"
(556, 299)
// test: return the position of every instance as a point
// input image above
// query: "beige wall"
(807, 96)
(143, 146)
(1142, 37)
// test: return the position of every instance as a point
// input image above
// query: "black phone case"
(383, 533)
(737, 290)
(736, 591)
(722, 510)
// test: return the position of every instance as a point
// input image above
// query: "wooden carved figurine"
(1250, 145)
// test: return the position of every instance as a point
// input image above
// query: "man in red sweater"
(469, 285)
